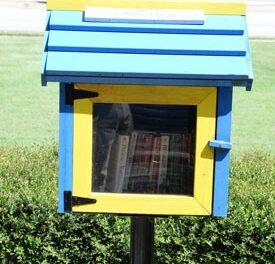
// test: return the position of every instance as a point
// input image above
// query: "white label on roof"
(138, 15)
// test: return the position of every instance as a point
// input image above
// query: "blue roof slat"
(144, 43)
(214, 24)
(140, 65)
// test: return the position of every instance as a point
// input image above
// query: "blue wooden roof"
(213, 54)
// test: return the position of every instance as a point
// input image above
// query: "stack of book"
(148, 162)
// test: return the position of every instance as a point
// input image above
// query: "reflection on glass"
(143, 148)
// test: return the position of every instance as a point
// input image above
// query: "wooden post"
(142, 240)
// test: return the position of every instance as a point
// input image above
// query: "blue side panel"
(65, 148)
(146, 65)
(221, 25)
(146, 43)
(222, 156)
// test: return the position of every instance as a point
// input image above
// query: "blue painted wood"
(47, 22)
(222, 156)
(43, 62)
(43, 68)
(146, 66)
(138, 81)
(65, 148)
(44, 81)
(46, 40)
(249, 61)
(214, 24)
(146, 43)
(44, 56)
(219, 144)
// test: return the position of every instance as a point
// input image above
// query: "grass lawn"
(254, 112)
(29, 112)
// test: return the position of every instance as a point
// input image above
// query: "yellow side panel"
(209, 7)
(200, 204)
(206, 123)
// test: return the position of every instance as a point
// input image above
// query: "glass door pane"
(143, 148)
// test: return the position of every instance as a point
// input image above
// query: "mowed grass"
(253, 119)
(29, 112)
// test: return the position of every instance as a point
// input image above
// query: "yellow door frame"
(146, 204)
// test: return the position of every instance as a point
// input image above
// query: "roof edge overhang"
(207, 82)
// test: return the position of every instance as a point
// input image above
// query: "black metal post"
(142, 240)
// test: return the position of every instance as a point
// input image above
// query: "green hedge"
(32, 232)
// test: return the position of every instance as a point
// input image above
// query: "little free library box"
(145, 102)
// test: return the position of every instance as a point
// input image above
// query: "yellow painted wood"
(146, 94)
(82, 146)
(143, 204)
(200, 204)
(204, 168)
(209, 7)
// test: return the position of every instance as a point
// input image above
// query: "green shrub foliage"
(31, 230)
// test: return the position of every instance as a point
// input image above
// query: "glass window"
(142, 148)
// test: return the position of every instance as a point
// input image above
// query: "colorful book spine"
(163, 161)
(146, 155)
(137, 155)
(117, 163)
(154, 165)
(188, 162)
(177, 166)
(130, 159)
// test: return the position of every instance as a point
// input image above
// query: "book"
(130, 158)
(188, 163)
(177, 165)
(139, 176)
(163, 161)
(174, 167)
(154, 165)
(146, 155)
(117, 164)
(137, 155)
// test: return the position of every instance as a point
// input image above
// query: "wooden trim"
(200, 204)
(209, 7)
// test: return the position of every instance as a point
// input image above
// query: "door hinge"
(70, 201)
(72, 94)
